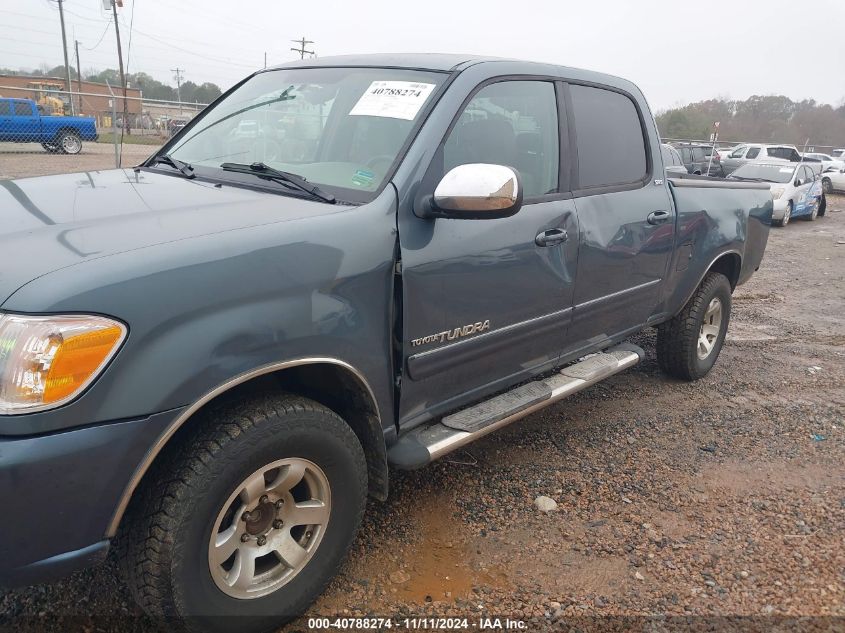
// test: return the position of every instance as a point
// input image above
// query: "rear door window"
(611, 145)
(753, 152)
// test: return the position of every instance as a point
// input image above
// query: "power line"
(302, 50)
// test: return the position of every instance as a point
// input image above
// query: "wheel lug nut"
(280, 503)
(244, 538)
(308, 534)
(262, 540)
(278, 523)
(246, 516)
(264, 499)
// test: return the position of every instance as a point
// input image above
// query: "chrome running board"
(424, 444)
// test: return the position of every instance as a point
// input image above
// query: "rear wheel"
(69, 142)
(251, 519)
(689, 344)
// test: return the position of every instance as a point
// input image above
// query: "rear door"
(804, 198)
(485, 305)
(625, 215)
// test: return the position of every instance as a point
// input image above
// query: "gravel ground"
(20, 160)
(717, 505)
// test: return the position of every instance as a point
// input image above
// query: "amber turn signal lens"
(46, 361)
(77, 358)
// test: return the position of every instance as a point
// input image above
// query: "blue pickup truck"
(21, 122)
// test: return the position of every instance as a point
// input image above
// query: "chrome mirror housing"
(477, 191)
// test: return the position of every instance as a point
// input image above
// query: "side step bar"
(424, 444)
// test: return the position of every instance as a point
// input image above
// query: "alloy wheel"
(710, 328)
(269, 528)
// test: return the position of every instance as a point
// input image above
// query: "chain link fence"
(50, 132)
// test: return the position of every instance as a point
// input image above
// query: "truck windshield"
(342, 128)
(766, 173)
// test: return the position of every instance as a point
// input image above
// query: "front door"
(485, 306)
(626, 219)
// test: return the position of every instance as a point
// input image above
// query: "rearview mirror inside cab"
(476, 191)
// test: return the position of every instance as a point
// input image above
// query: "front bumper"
(60, 491)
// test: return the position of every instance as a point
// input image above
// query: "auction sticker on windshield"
(392, 99)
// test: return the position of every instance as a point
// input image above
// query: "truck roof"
(444, 62)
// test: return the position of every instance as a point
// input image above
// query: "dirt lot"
(721, 502)
(19, 160)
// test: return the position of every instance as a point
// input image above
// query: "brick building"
(49, 91)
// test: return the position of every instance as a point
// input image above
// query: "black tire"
(678, 338)
(164, 549)
(69, 142)
(827, 187)
(823, 206)
(52, 149)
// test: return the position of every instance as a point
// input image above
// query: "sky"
(677, 51)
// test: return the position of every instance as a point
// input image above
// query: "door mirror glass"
(798, 182)
(477, 191)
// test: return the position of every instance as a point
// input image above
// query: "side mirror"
(476, 191)
(798, 182)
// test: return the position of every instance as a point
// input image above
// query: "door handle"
(552, 237)
(658, 217)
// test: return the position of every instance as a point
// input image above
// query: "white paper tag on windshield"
(392, 99)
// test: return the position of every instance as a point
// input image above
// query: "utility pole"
(178, 78)
(64, 50)
(114, 5)
(301, 50)
(78, 75)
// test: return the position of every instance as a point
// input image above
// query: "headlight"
(777, 193)
(45, 361)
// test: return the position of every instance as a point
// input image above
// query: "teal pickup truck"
(21, 122)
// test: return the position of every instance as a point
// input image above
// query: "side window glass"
(753, 152)
(666, 154)
(22, 109)
(738, 152)
(611, 145)
(511, 123)
(5, 108)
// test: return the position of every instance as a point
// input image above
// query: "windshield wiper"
(186, 169)
(265, 171)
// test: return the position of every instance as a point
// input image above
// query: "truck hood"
(52, 222)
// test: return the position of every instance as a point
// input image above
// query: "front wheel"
(251, 520)
(787, 215)
(827, 186)
(689, 344)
